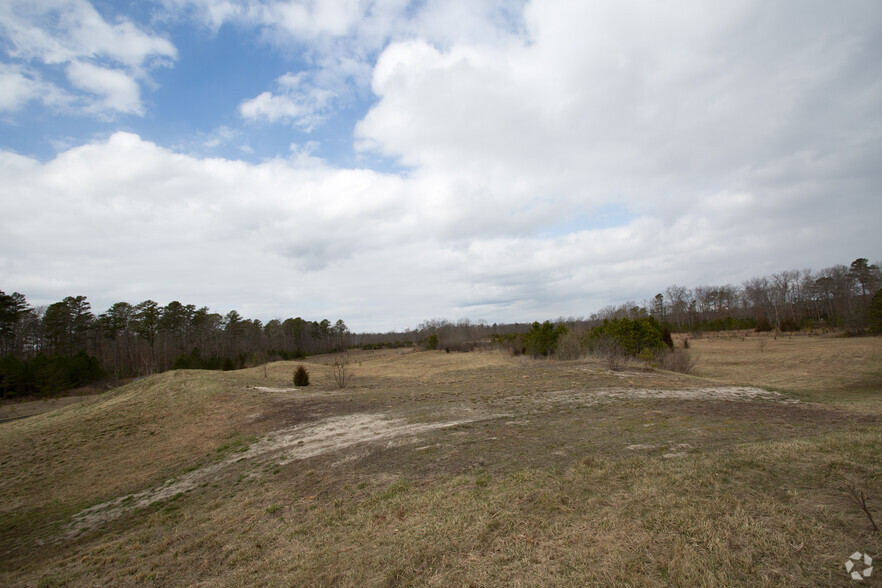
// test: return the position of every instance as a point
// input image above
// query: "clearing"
(457, 469)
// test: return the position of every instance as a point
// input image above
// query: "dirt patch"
(281, 447)
(724, 393)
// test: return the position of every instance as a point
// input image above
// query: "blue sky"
(385, 161)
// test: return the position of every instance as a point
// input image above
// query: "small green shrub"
(646, 356)
(301, 376)
(432, 342)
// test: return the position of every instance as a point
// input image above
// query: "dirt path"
(281, 447)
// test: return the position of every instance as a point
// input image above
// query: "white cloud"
(16, 89)
(573, 156)
(125, 219)
(297, 100)
(340, 39)
(119, 92)
(60, 31)
(635, 103)
(99, 57)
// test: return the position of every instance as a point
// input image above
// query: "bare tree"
(340, 369)
(611, 352)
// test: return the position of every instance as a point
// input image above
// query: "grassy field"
(458, 469)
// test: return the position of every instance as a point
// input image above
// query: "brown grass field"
(458, 469)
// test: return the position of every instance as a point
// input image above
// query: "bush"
(789, 325)
(301, 376)
(677, 360)
(432, 342)
(340, 370)
(667, 339)
(610, 351)
(632, 336)
(541, 340)
(569, 347)
(763, 326)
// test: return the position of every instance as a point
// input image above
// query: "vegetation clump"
(632, 335)
(677, 360)
(541, 340)
(301, 376)
(875, 314)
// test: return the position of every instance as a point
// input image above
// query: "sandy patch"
(281, 447)
(730, 393)
(277, 390)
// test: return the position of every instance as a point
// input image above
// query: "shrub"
(667, 339)
(432, 343)
(569, 347)
(301, 376)
(631, 335)
(763, 325)
(340, 370)
(610, 351)
(677, 360)
(646, 356)
(541, 340)
(789, 325)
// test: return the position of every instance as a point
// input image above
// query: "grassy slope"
(544, 488)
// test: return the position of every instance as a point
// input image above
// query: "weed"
(483, 479)
(859, 497)
(393, 490)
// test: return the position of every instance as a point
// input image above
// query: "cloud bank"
(551, 158)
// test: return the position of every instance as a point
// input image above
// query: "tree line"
(48, 349)
(837, 297)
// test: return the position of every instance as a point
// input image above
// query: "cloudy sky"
(386, 161)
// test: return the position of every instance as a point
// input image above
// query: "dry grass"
(455, 469)
(823, 368)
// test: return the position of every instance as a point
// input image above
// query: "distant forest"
(45, 350)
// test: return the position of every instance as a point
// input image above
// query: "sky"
(385, 162)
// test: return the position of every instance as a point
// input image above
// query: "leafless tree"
(341, 370)
(611, 352)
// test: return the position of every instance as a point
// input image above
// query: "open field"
(458, 469)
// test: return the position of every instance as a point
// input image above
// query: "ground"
(461, 468)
